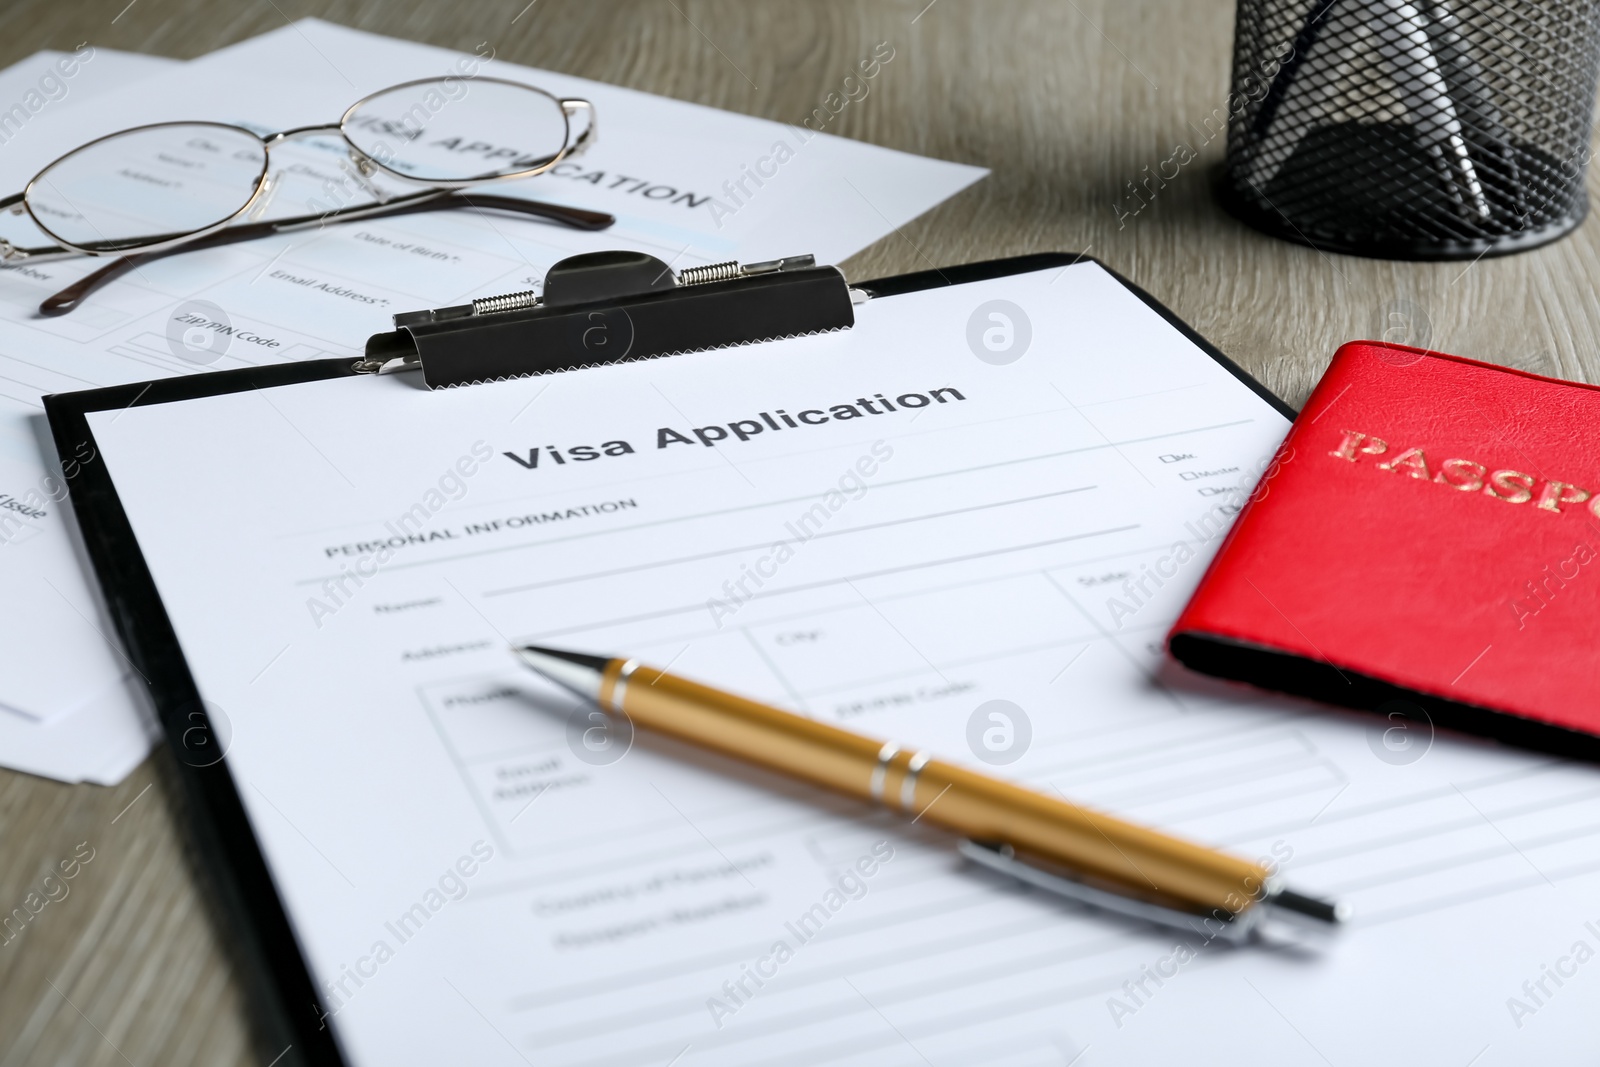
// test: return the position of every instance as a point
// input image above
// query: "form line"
(681, 609)
(568, 580)
(538, 500)
(1091, 424)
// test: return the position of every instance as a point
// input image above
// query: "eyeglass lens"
(161, 181)
(458, 130)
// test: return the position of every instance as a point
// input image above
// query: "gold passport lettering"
(1513, 487)
(1466, 475)
(1412, 461)
(1554, 494)
(1462, 474)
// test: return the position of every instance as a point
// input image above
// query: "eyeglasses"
(175, 186)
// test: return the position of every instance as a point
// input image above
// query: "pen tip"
(1331, 913)
(544, 652)
(577, 671)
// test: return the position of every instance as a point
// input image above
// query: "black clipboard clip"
(611, 307)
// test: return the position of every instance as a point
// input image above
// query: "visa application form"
(966, 525)
(660, 166)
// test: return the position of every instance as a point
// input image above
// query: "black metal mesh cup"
(1412, 130)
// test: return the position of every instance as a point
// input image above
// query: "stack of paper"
(66, 708)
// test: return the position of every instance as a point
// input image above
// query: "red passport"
(1428, 538)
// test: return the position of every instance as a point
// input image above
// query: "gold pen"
(1046, 841)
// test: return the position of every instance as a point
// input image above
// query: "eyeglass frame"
(363, 161)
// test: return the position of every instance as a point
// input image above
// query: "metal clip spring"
(487, 305)
(711, 272)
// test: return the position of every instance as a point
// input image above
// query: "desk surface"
(1066, 102)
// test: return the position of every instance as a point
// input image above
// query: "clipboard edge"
(256, 924)
(255, 930)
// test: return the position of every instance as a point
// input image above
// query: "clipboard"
(272, 966)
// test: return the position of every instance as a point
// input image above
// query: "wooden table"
(1066, 100)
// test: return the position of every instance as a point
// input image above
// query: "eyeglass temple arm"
(590, 132)
(73, 295)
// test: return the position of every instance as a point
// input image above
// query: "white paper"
(322, 293)
(57, 669)
(899, 572)
(99, 741)
(41, 578)
(33, 90)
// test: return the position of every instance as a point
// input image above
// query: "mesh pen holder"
(1412, 130)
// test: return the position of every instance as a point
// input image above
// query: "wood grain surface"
(1066, 101)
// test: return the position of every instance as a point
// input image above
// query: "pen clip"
(1229, 927)
(1280, 913)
